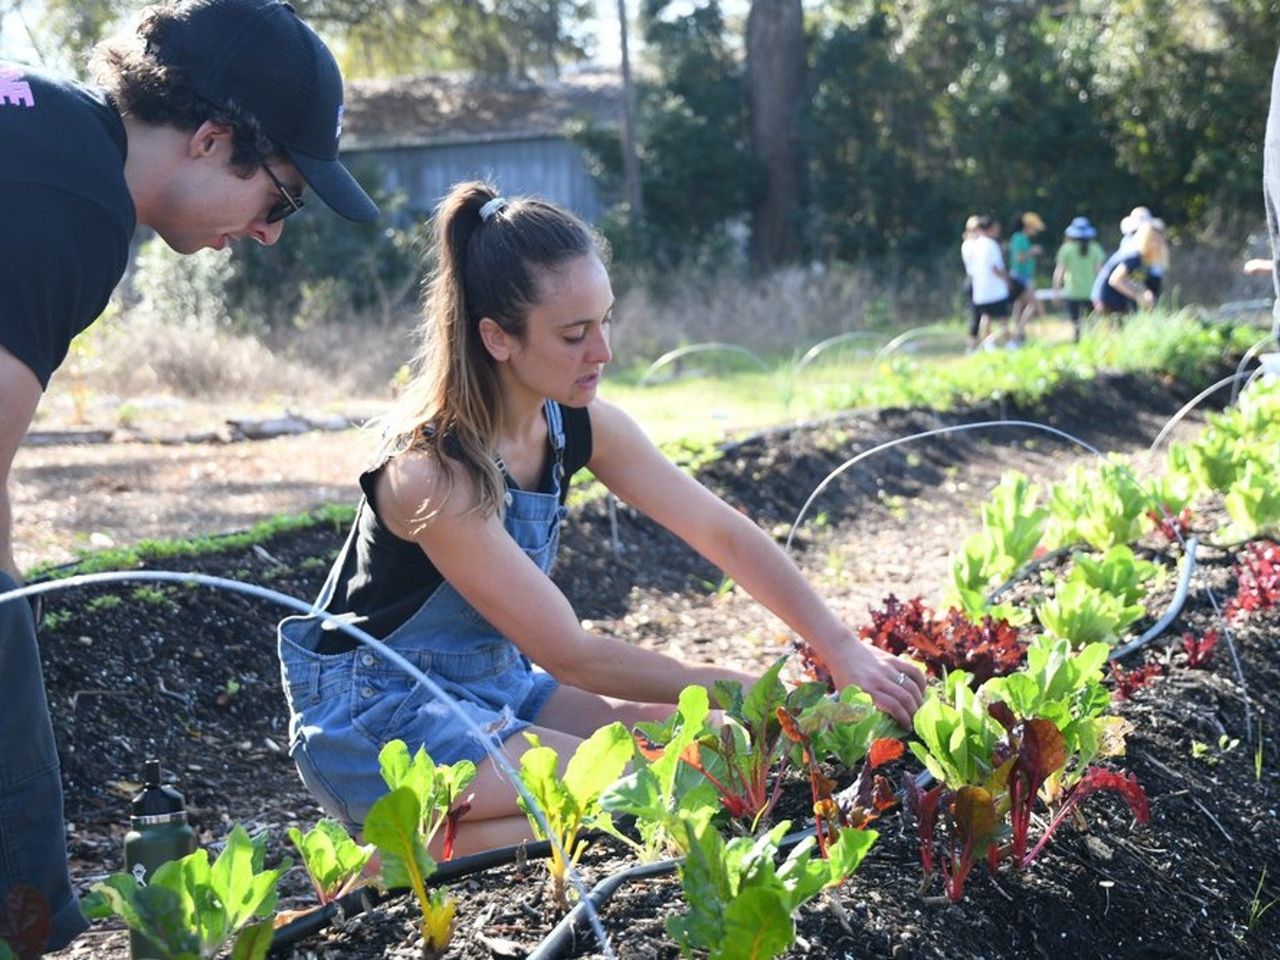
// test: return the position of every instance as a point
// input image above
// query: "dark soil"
(189, 674)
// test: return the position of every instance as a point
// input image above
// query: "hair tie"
(494, 206)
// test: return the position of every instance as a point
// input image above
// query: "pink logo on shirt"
(14, 91)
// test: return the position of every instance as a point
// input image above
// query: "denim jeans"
(33, 841)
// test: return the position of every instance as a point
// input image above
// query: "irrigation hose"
(1174, 608)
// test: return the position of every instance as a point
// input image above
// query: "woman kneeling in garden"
(449, 556)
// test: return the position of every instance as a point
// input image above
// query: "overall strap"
(331, 581)
(555, 431)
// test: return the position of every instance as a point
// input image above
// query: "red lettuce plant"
(1258, 576)
(1129, 682)
(944, 644)
(1200, 651)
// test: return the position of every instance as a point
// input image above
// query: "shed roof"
(452, 109)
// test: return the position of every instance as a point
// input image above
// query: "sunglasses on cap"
(287, 205)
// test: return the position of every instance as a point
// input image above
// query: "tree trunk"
(630, 162)
(775, 92)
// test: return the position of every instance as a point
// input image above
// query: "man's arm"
(19, 394)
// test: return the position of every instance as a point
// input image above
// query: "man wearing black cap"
(206, 126)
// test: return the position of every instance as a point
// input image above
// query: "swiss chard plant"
(333, 860)
(440, 789)
(740, 902)
(571, 802)
(852, 729)
(394, 826)
(25, 919)
(747, 758)
(191, 909)
(661, 785)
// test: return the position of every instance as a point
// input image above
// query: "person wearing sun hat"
(206, 124)
(1023, 251)
(1076, 265)
(1137, 218)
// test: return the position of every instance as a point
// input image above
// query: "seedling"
(438, 788)
(393, 825)
(333, 860)
(1257, 909)
(740, 903)
(571, 802)
(192, 910)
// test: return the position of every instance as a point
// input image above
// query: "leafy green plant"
(740, 902)
(1253, 502)
(438, 788)
(1085, 614)
(394, 826)
(571, 802)
(746, 759)
(1118, 572)
(191, 910)
(1012, 528)
(661, 786)
(332, 859)
(1102, 505)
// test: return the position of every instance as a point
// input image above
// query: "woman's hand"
(896, 686)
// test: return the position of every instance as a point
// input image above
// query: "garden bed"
(189, 675)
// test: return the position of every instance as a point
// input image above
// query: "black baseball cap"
(261, 56)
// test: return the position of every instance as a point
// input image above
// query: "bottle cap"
(156, 799)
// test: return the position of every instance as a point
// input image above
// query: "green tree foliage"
(697, 169)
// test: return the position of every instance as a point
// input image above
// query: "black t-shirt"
(384, 579)
(66, 215)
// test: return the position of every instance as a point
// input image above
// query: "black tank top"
(385, 579)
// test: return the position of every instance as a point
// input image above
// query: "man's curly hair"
(157, 93)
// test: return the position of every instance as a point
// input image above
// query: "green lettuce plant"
(1102, 505)
(191, 910)
(1118, 572)
(1085, 614)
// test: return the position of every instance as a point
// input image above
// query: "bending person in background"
(1129, 227)
(204, 130)
(1077, 264)
(449, 555)
(1121, 285)
(1023, 251)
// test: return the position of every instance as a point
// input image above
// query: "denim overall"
(346, 706)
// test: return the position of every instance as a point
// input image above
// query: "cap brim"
(334, 184)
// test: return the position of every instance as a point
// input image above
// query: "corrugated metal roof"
(442, 109)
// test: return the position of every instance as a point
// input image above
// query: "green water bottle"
(158, 833)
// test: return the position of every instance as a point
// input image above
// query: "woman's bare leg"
(569, 717)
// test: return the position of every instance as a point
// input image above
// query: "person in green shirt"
(1023, 251)
(1078, 261)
